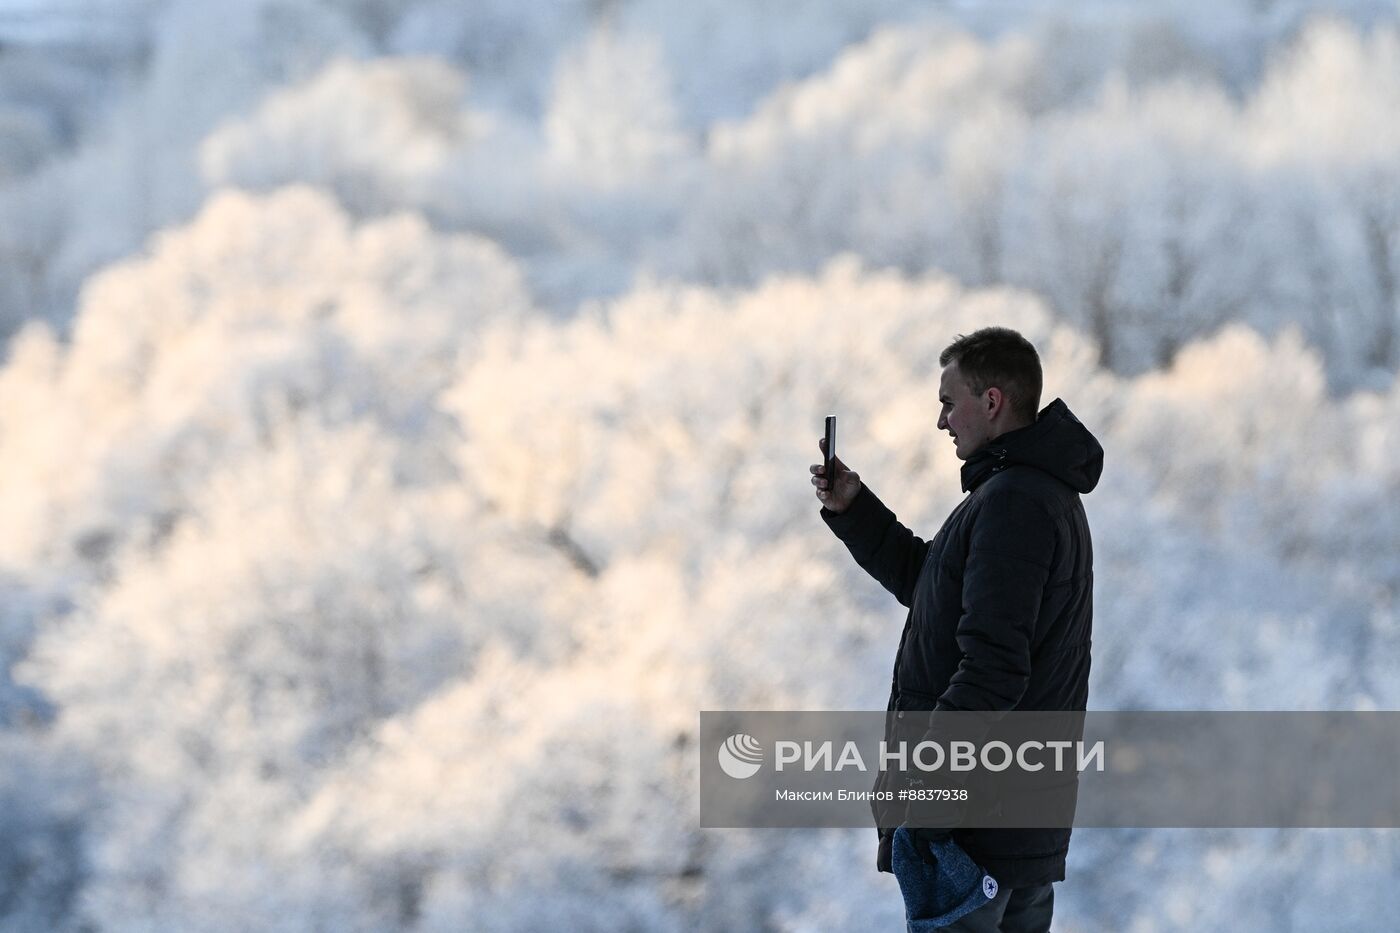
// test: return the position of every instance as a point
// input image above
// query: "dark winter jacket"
(1000, 601)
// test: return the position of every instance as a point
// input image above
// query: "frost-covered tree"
(135, 171)
(213, 387)
(1141, 196)
(373, 133)
(191, 356)
(311, 596)
(1336, 172)
(611, 119)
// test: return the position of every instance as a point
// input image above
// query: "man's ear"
(993, 399)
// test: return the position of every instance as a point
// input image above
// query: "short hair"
(999, 356)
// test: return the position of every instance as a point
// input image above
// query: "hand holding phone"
(836, 484)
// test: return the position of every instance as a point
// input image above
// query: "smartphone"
(828, 468)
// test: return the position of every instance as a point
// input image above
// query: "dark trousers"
(1013, 910)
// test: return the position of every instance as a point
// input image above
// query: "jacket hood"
(1057, 443)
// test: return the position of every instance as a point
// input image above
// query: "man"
(1001, 599)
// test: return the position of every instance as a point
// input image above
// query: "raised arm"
(884, 547)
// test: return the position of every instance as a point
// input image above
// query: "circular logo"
(989, 886)
(740, 755)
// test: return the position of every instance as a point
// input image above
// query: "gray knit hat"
(937, 895)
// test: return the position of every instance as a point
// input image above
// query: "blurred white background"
(405, 413)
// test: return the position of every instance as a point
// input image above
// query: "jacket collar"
(1056, 442)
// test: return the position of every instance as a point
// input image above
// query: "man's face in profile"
(963, 414)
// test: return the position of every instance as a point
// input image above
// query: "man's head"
(990, 385)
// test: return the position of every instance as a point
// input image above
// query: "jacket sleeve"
(887, 550)
(1010, 553)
